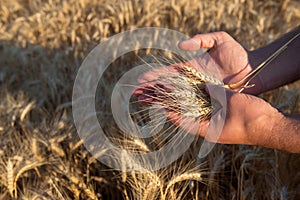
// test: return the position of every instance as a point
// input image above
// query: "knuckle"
(222, 36)
(223, 33)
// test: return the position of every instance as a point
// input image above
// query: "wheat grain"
(36, 150)
(57, 149)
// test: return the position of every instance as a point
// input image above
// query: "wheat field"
(42, 45)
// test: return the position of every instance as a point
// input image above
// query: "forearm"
(283, 133)
(284, 69)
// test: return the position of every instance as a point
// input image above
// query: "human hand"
(232, 61)
(241, 119)
(247, 119)
(226, 59)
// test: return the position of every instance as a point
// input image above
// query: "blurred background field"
(42, 44)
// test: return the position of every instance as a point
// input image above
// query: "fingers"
(150, 78)
(189, 124)
(157, 72)
(152, 74)
(208, 40)
(155, 77)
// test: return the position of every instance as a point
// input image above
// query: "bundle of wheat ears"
(188, 96)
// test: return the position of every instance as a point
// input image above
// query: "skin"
(248, 119)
